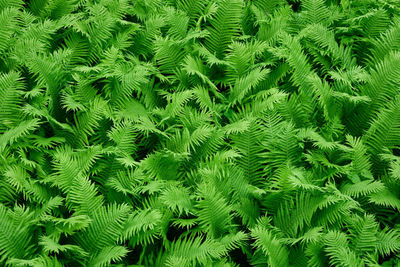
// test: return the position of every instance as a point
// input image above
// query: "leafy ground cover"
(199, 133)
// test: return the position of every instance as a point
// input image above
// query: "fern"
(210, 205)
(9, 20)
(224, 26)
(265, 241)
(108, 255)
(13, 134)
(337, 248)
(192, 250)
(15, 235)
(383, 81)
(10, 97)
(199, 133)
(384, 129)
(315, 11)
(105, 229)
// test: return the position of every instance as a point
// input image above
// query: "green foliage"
(199, 133)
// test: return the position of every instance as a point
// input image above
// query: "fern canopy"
(199, 133)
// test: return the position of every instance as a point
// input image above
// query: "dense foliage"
(199, 133)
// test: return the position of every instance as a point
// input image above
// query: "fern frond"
(363, 231)
(385, 198)
(337, 248)
(192, 250)
(142, 226)
(277, 253)
(83, 196)
(387, 241)
(387, 42)
(105, 229)
(193, 8)
(168, 54)
(249, 146)
(11, 86)
(384, 130)
(224, 26)
(12, 3)
(10, 136)
(214, 213)
(321, 36)
(383, 82)
(362, 188)
(376, 23)
(108, 255)
(52, 246)
(245, 84)
(9, 22)
(15, 235)
(315, 11)
(178, 199)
